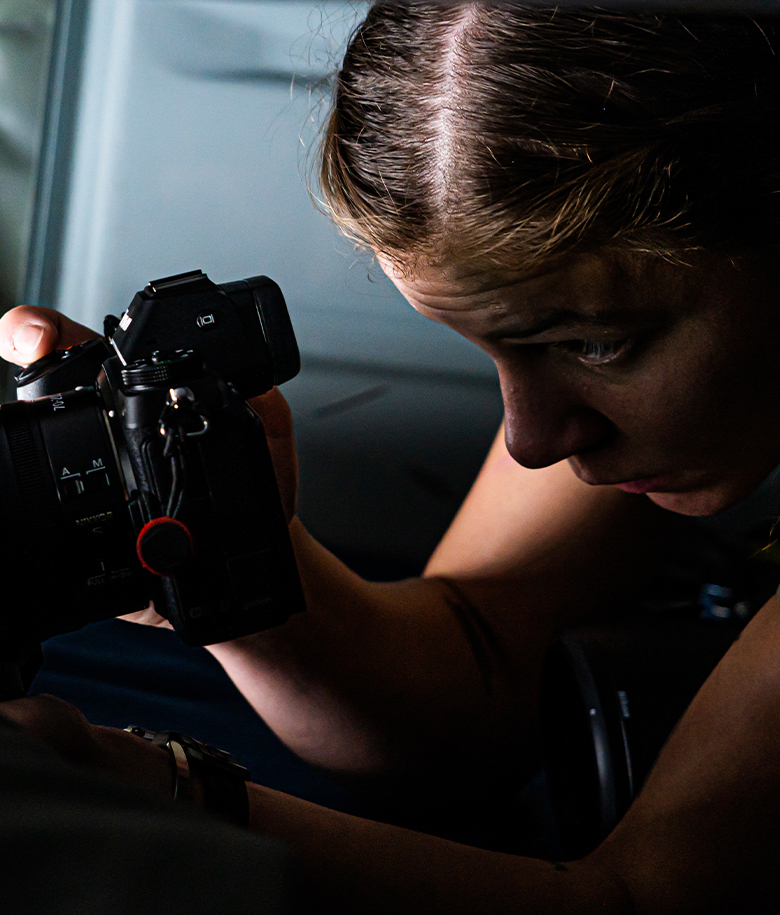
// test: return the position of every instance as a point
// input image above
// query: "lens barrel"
(63, 495)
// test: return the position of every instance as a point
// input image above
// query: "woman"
(590, 197)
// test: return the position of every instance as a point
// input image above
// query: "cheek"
(707, 405)
(675, 396)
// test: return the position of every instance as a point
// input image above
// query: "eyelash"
(594, 352)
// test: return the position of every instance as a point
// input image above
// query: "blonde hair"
(509, 135)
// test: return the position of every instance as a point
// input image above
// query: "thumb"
(30, 332)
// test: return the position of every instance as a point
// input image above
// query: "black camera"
(132, 469)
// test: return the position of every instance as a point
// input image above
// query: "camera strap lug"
(180, 417)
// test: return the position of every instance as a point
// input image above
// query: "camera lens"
(63, 495)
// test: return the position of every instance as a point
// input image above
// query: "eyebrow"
(568, 317)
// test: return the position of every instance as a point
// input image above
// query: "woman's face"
(657, 378)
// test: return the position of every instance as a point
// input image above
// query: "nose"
(547, 422)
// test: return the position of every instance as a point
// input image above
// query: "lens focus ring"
(31, 472)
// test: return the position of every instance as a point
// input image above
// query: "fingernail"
(27, 338)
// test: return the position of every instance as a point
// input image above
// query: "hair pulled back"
(507, 135)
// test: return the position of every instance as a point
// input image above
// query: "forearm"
(372, 674)
(353, 865)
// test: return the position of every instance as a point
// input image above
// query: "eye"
(593, 352)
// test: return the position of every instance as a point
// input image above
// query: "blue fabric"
(120, 673)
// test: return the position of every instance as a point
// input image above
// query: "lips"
(644, 485)
(640, 485)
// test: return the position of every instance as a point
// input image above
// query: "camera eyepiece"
(241, 330)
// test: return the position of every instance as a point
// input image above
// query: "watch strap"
(181, 769)
(223, 779)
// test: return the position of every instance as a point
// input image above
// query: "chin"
(699, 502)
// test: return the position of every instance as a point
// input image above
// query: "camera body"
(133, 470)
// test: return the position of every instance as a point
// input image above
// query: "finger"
(30, 332)
(276, 416)
(55, 722)
(147, 617)
(37, 712)
(275, 413)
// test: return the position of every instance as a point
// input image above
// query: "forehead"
(585, 285)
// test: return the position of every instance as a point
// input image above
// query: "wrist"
(135, 759)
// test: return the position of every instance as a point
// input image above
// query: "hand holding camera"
(134, 470)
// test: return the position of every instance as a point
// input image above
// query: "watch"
(224, 780)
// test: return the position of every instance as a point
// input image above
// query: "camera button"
(96, 480)
(72, 485)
